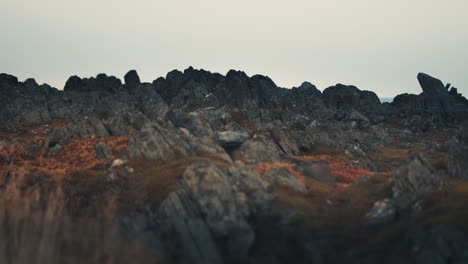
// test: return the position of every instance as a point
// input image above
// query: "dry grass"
(156, 178)
(48, 237)
(448, 206)
(332, 217)
(389, 157)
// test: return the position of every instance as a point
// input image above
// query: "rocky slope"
(198, 167)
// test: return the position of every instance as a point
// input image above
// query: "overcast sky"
(377, 45)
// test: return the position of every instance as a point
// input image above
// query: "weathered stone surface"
(100, 83)
(88, 127)
(216, 213)
(383, 212)
(307, 87)
(255, 152)
(413, 179)
(103, 151)
(132, 79)
(185, 232)
(233, 135)
(282, 141)
(57, 136)
(162, 141)
(347, 96)
(225, 208)
(352, 115)
(431, 85)
(212, 200)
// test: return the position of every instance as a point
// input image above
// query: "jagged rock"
(383, 212)
(73, 84)
(226, 208)
(103, 151)
(255, 152)
(431, 85)
(439, 244)
(435, 106)
(88, 127)
(344, 96)
(181, 119)
(192, 89)
(6, 79)
(307, 87)
(238, 85)
(299, 122)
(150, 102)
(209, 215)
(185, 232)
(22, 105)
(211, 119)
(340, 96)
(352, 115)
(57, 136)
(458, 156)
(413, 179)
(100, 83)
(162, 141)
(459, 99)
(132, 79)
(232, 136)
(282, 141)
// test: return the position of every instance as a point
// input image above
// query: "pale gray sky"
(377, 45)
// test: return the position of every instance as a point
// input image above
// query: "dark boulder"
(383, 212)
(132, 79)
(352, 115)
(73, 83)
(100, 83)
(341, 96)
(6, 79)
(413, 179)
(431, 85)
(232, 135)
(307, 87)
(347, 96)
(238, 87)
(435, 105)
(459, 98)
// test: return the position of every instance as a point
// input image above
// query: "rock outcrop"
(210, 168)
(413, 179)
(208, 217)
(132, 80)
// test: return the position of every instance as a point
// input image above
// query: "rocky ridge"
(202, 167)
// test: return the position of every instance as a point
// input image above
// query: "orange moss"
(347, 173)
(12, 154)
(342, 170)
(75, 155)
